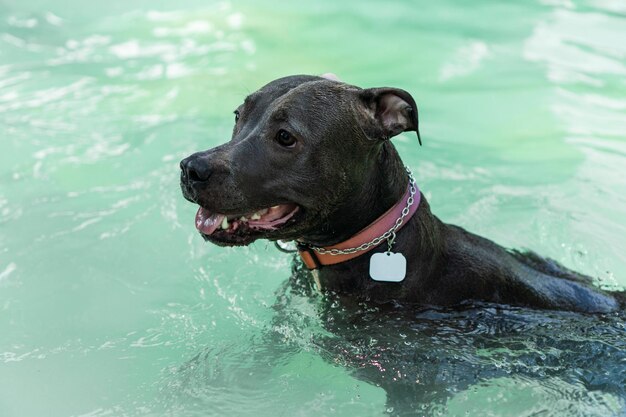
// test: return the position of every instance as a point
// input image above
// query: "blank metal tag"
(388, 267)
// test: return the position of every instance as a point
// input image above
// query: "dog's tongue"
(207, 222)
(266, 219)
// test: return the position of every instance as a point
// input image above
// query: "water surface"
(111, 304)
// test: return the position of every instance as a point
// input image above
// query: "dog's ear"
(390, 111)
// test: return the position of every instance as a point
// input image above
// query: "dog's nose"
(195, 169)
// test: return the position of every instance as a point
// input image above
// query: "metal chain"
(391, 233)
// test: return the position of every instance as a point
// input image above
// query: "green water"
(110, 302)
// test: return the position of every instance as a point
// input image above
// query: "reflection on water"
(110, 304)
(480, 359)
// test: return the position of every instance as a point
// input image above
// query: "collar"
(315, 260)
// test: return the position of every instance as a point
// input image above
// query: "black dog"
(310, 161)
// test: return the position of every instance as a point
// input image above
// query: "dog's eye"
(236, 115)
(285, 139)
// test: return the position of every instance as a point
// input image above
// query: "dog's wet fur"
(343, 172)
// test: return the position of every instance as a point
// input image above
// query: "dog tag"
(388, 267)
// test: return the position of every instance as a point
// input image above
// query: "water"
(111, 304)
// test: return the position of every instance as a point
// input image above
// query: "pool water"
(111, 304)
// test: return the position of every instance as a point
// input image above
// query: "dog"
(310, 161)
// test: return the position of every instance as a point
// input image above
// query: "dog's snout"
(195, 169)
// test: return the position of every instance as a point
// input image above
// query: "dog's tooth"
(225, 223)
(243, 218)
(255, 216)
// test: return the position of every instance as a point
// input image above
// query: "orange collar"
(315, 260)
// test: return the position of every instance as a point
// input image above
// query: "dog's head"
(301, 147)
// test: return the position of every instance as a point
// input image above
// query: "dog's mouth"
(242, 229)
